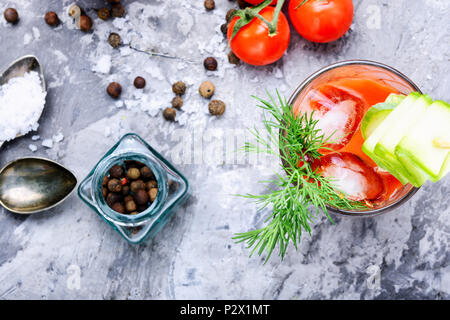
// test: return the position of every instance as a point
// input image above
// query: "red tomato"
(321, 20)
(253, 45)
(255, 2)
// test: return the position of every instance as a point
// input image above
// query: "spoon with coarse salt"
(22, 98)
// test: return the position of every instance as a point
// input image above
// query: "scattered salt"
(21, 103)
(48, 143)
(32, 147)
(103, 64)
(58, 137)
(35, 138)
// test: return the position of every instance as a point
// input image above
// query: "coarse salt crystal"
(32, 147)
(103, 64)
(36, 137)
(22, 100)
(48, 143)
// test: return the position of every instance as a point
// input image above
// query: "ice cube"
(351, 176)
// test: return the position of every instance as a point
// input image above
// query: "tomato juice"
(339, 98)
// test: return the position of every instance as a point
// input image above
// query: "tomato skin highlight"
(256, 2)
(253, 45)
(321, 20)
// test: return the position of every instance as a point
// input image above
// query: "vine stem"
(272, 25)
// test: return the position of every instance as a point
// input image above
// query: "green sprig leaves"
(301, 193)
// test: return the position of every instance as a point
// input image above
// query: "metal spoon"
(30, 185)
(18, 68)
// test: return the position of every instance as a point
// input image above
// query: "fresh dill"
(301, 193)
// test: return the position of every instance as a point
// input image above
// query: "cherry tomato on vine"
(321, 20)
(256, 2)
(253, 44)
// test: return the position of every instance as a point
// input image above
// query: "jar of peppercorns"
(134, 189)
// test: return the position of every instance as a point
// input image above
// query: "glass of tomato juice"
(338, 96)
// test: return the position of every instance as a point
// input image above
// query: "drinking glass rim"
(312, 77)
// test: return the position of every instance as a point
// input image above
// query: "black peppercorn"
(114, 90)
(103, 13)
(209, 5)
(51, 18)
(169, 114)
(114, 40)
(116, 172)
(11, 15)
(210, 64)
(216, 107)
(85, 23)
(114, 1)
(114, 185)
(177, 102)
(139, 82)
(117, 10)
(179, 88)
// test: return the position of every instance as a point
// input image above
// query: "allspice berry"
(133, 174)
(85, 23)
(169, 114)
(116, 172)
(117, 10)
(139, 83)
(137, 185)
(74, 11)
(112, 198)
(242, 4)
(233, 59)
(114, 185)
(114, 40)
(141, 197)
(130, 206)
(179, 88)
(224, 29)
(206, 89)
(11, 15)
(125, 190)
(114, 1)
(229, 14)
(151, 184)
(152, 194)
(210, 64)
(216, 107)
(146, 173)
(114, 90)
(51, 18)
(103, 13)
(177, 102)
(209, 5)
(118, 207)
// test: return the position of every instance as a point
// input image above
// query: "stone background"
(194, 256)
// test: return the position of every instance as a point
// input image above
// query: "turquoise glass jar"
(173, 190)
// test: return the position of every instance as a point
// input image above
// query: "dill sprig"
(301, 193)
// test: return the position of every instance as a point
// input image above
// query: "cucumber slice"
(385, 148)
(395, 99)
(391, 120)
(419, 147)
(374, 117)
